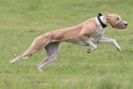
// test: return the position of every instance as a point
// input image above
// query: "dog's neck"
(101, 20)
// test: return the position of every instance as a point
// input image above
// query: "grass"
(22, 20)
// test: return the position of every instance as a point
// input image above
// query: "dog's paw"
(39, 69)
(119, 49)
(89, 51)
(12, 62)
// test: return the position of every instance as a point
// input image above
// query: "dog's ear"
(106, 14)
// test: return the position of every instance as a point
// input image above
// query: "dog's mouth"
(120, 25)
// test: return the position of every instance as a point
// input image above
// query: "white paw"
(119, 49)
(89, 51)
(39, 69)
(12, 62)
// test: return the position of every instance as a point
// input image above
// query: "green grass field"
(106, 68)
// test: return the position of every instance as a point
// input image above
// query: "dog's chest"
(97, 35)
(94, 37)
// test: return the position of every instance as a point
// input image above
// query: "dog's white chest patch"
(97, 36)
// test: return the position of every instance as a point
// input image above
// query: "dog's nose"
(126, 23)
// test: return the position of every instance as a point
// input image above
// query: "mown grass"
(22, 20)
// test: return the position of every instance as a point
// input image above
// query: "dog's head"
(116, 21)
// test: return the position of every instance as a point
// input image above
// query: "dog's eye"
(118, 18)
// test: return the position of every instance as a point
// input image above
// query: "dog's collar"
(100, 21)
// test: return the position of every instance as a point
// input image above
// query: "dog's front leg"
(90, 43)
(110, 40)
(84, 35)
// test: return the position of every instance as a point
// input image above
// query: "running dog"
(88, 33)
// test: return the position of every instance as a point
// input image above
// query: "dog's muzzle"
(120, 25)
(123, 25)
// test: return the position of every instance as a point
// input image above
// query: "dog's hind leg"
(37, 44)
(51, 52)
(20, 57)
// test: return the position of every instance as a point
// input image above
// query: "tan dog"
(88, 33)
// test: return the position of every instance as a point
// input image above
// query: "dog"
(88, 33)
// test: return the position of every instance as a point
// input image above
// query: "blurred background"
(106, 68)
